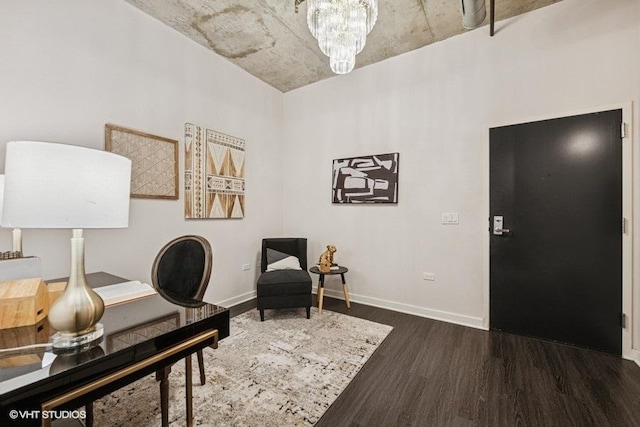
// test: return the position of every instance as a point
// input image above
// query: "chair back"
(289, 245)
(182, 269)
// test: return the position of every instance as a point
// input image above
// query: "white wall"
(67, 68)
(434, 105)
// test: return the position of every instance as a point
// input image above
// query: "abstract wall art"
(366, 179)
(214, 174)
(154, 161)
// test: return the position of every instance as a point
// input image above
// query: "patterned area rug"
(285, 371)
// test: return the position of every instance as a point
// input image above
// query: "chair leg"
(262, 315)
(163, 376)
(88, 421)
(188, 390)
(201, 367)
(308, 312)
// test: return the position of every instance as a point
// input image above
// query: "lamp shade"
(49, 185)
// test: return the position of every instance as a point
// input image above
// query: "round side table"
(341, 271)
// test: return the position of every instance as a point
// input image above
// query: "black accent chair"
(284, 288)
(181, 274)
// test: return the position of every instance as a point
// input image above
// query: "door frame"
(630, 350)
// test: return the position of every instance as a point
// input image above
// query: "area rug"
(285, 371)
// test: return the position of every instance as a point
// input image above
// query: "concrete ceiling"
(269, 40)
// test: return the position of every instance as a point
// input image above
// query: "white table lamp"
(49, 185)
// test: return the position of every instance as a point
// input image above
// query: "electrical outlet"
(246, 267)
(429, 276)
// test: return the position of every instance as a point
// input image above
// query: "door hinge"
(623, 320)
(623, 130)
(624, 225)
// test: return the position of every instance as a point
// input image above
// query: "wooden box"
(23, 302)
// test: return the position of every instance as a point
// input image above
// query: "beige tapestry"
(214, 174)
(154, 161)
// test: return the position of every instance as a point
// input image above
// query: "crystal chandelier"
(341, 27)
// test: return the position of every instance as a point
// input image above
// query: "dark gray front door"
(557, 273)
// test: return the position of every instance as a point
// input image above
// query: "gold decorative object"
(76, 312)
(326, 259)
(77, 299)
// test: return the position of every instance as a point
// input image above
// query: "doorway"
(556, 230)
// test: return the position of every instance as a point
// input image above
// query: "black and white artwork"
(366, 179)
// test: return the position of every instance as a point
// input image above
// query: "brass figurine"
(326, 259)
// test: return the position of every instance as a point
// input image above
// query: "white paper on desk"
(123, 292)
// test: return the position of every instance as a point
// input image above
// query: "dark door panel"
(557, 274)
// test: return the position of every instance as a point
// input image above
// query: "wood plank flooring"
(430, 373)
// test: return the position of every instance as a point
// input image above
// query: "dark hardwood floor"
(430, 373)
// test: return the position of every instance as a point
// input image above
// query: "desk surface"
(132, 332)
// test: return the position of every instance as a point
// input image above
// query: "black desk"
(140, 337)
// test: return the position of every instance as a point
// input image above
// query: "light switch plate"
(450, 218)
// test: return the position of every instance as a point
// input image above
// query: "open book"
(124, 292)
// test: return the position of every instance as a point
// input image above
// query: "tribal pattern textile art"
(366, 179)
(214, 174)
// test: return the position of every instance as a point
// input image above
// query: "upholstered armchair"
(284, 282)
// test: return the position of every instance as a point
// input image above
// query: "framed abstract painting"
(366, 179)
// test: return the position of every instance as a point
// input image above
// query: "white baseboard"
(237, 300)
(458, 319)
